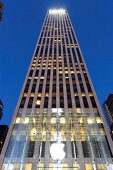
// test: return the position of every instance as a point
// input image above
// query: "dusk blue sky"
(19, 30)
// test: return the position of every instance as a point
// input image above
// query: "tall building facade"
(1, 109)
(108, 110)
(58, 122)
(3, 134)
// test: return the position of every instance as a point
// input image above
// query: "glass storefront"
(78, 133)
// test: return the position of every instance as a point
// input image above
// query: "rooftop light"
(57, 11)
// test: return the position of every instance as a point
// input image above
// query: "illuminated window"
(60, 72)
(26, 120)
(62, 120)
(28, 166)
(83, 94)
(98, 120)
(81, 120)
(33, 64)
(38, 102)
(90, 121)
(32, 94)
(90, 94)
(33, 132)
(72, 72)
(103, 167)
(47, 94)
(40, 166)
(76, 94)
(41, 77)
(34, 121)
(79, 110)
(89, 166)
(66, 72)
(78, 72)
(39, 94)
(17, 120)
(25, 94)
(76, 167)
(53, 120)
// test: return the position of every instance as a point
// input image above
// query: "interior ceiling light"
(57, 11)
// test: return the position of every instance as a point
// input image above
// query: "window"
(93, 102)
(33, 88)
(85, 102)
(77, 101)
(30, 102)
(86, 149)
(46, 102)
(30, 151)
(22, 102)
(38, 102)
(31, 72)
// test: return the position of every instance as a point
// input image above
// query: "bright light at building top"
(57, 11)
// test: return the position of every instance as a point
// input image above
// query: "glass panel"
(79, 134)
(58, 166)
(101, 167)
(76, 167)
(89, 167)
(28, 166)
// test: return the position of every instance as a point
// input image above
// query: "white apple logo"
(57, 152)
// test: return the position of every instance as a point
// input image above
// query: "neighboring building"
(58, 123)
(3, 134)
(1, 109)
(108, 110)
(3, 128)
(1, 8)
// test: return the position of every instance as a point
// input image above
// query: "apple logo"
(57, 151)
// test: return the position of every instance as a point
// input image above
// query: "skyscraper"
(3, 134)
(1, 109)
(58, 122)
(108, 109)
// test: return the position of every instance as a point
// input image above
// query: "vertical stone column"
(47, 146)
(69, 151)
(36, 155)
